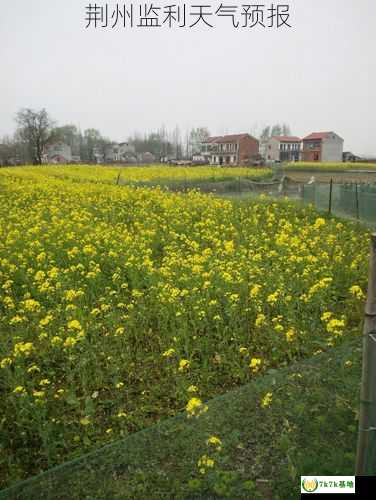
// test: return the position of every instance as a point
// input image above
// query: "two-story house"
(237, 149)
(58, 152)
(126, 151)
(323, 147)
(283, 148)
(122, 152)
(111, 152)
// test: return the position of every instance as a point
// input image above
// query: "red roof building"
(317, 136)
(286, 138)
(234, 149)
(322, 147)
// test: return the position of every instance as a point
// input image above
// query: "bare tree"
(177, 142)
(286, 129)
(68, 134)
(196, 137)
(34, 130)
(265, 133)
(95, 143)
(9, 154)
(274, 130)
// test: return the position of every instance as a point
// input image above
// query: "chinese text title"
(152, 15)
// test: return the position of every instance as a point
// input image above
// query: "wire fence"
(355, 201)
(158, 462)
(215, 184)
(121, 469)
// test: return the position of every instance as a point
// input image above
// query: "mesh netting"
(214, 184)
(356, 201)
(313, 406)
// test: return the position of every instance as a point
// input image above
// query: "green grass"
(310, 428)
(329, 167)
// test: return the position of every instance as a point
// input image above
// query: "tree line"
(35, 130)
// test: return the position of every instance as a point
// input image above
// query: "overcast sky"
(318, 75)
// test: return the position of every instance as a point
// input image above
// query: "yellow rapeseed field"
(121, 306)
(108, 174)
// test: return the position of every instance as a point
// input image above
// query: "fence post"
(357, 200)
(314, 195)
(118, 179)
(330, 195)
(366, 449)
(302, 193)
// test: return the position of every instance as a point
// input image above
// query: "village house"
(121, 152)
(348, 156)
(146, 157)
(322, 147)
(98, 154)
(283, 148)
(58, 152)
(238, 149)
(111, 152)
(127, 151)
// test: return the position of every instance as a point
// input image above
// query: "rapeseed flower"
(319, 223)
(19, 390)
(170, 352)
(255, 290)
(255, 364)
(215, 442)
(335, 326)
(290, 335)
(357, 292)
(266, 400)
(184, 364)
(44, 381)
(205, 463)
(74, 325)
(195, 407)
(5, 362)
(260, 320)
(23, 349)
(39, 394)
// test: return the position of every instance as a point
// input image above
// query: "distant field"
(330, 166)
(338, 177)
(152, 173)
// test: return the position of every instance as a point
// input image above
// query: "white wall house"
(57, 153)
(119, 152)
(126, 151)
(323, 146)
(283, 148)
(332, 148)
